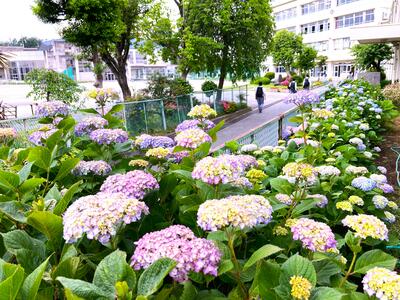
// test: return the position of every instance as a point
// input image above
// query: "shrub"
(392, 92)
(164, 87)
(208, 86)
(264, 80)
(385, 83)
(180, 87)
(299, 80)
(270, 75)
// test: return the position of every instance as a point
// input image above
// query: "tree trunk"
(119, 70)
(184, 74)
(99, 81)
(123, 83)
(98, 72)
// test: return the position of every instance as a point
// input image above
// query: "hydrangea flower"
(177, 242)
(42, 134)
(159, 152)
(323, 200)
(300, 141)
(51, 109)
(194, 124)
(364, 127)
(255, 175)
(383, 170)
(385, 187)
(382, 283)
(300, 288)
(389, 217)
(249, 148)
(378, 178)
(303, 97)
(134, 184)
(192, 138)
(202, 112)
(377, 149)
(356, 170)
(285, 199)
(237, 211)
(393, 205)
(380, 202)
(99, 216)
(247, 161)
(139, 163)
(366, 226)
(95, 167)
(242, 182)
(177, 157)
(87, 125)
(363, 183)
(356, 200)
(334, 127)
(222, 169)
(146, 141)
(327, 171)
(7, 134)
(356, 141)
(345, 206)
(323, 113)
(300, 171)
(109, 136)
(315, 236)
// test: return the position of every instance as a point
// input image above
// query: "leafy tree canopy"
(370, 56)
(27, 42)
(306, 59)
(286, 47)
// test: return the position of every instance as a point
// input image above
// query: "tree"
(92, 54)
(240, 32)
(49, 85)
(109, 26)
(286, 47)
(321, 62)
(305, 60)
(371, 56)
(27, 42)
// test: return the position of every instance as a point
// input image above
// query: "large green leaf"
(15, 210)
(213, 132)
(152, 278)
(374, 258)
(53, 140)
(11, 278)
(281, 185)
(66, 168)
(24, 172)
(325, 269)
(32, 282)
(85, 289)
(324, 293)
(30, 252)
(30, 184)
(63, 203)
(49, 224)
(8, 181)
(54, 193)
(41, 157)
(356, 296)
(111, 269)
(263, 252)
(189, 291)
(67, 268)
(266, 278)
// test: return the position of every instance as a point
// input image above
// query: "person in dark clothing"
(260, 95)
(306, 84)
(292, 86)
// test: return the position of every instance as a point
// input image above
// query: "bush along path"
(308, 219)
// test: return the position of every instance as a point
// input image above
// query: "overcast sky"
(17, 20)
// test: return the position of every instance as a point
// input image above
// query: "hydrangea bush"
(310, 218)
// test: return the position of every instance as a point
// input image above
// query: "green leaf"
(85, 289)
(297, 119)
(356, 296)
(325, 269)
(89, 111)
(67, 268)
(11, 278)
(152, 278)
(49, 224)
(324, 293)
(213, 132)
(15, 210)
(54, 140)
(8, 181)
(266, 278)
(374, 258)
(189, 291)
(41, 157)
(30, 252)
(115, 109)
(263, 252)
(70, 296)
(64, 202)
(353, 242)
(54, 193)
(112, 269)
(66, 168)
(32, 282)
(225, 266)
(281, 185)
(30, 184)
(304, 206)
(25, 172)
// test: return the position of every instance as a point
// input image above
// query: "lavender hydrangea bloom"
(95, 167)
(247, 161)
(38, 136)
(134, 184)
(386, 188)
(176, 157)
(87, 125)
(109, 136)
(51, 109)
(315, 236)
(194, 124)
(177, 242)
(99, 216)
(192, 138)
(323, 200)
(363, 183)
(146, 141)
(303, 97)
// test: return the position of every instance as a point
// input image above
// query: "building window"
(291, 29)
(355, 19)
(285, 14)
(280, 69)
(315, 6)
(342, 43)
(85, 66)
(320, 46)
(319, 26)
(342, 2)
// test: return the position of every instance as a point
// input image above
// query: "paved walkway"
(274, 107)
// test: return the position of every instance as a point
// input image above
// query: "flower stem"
(353, 261)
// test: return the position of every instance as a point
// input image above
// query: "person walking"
(260, 95)
(306, 83)
(292, 86)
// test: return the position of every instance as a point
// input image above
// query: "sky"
(17, 20)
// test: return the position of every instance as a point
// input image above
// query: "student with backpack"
(292, 86)
(306, 83)
(260, 95)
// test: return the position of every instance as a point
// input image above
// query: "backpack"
(259, 92)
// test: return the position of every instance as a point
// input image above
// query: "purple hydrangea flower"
(363, 183)
(194, 124)
(51, 109)
(95, 167)
(386, 188)
(109, 136)
(303, 97)
(134, 184)
(176, 157)
(177, 242)
(99, 216)
(39, 136)
(315, 236)
(192, 138)
(87, 125)
(247, 161)
(146, 141)
(323, 200)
